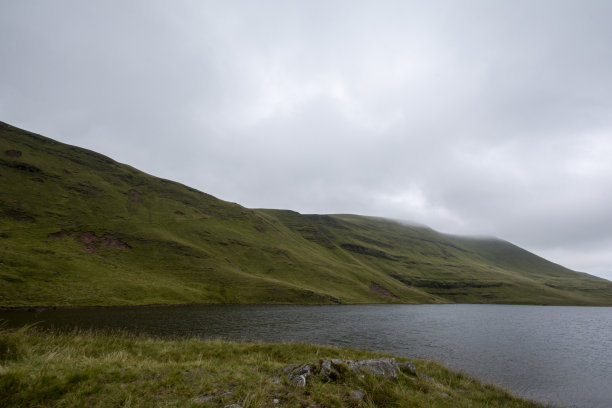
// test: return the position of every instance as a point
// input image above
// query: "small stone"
(299, 381)
(232, 406)
(304, 370)
(328, 370)
(275, 380)
(204, 398)
(357, 395)
(325, 366)
(407, 367)
(275, 401)
(427, 378)
(443, 395)
(289, 369)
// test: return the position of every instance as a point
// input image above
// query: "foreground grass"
(48, 369)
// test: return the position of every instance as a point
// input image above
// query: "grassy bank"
(46, 369)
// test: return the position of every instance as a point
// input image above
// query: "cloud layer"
(473, 117)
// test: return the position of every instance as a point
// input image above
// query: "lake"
(557, 355)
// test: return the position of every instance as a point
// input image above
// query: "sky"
(490, 118)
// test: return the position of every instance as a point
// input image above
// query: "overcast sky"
(472, 117)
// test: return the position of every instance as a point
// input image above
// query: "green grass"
(79, 229)
(49, 369)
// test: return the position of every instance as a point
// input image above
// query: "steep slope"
(77, 228)
(459, 269)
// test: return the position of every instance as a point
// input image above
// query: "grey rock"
(204, 398)
(333, 369)
(443, 395)
(386, 367)
(232, 406)
(299, 381)
(275, 380)
(289, 369)
(407, 367)
(303, 370)
(427, 378)
(326, 368)
(329, 369)
(357, 395)
(293, 371)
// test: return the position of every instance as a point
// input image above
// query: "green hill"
(77, 228)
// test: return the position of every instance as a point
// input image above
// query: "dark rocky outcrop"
(358, 249)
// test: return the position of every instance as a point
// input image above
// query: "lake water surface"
(558, 355)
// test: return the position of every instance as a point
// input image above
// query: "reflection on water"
(561, 355)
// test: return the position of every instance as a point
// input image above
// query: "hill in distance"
(79, 229)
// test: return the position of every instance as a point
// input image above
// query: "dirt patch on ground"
(110, 241)
(375, 287)
(134, 200)
(13, 153)
(90, 241)
(134, 196)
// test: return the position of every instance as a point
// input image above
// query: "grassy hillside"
(77, 228)
(39, 369)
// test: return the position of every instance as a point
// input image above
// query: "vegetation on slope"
(77, 228)
(43, 369)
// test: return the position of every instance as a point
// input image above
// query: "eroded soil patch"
(13, 153)
(375, 287)
(90, 241)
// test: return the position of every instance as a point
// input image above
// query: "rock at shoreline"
(387, 367)
(331, 370)
(408, 367)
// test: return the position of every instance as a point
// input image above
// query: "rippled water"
(559, 355)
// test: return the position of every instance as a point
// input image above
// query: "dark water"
(558, 355)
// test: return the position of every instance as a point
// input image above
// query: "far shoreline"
(40, 308)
